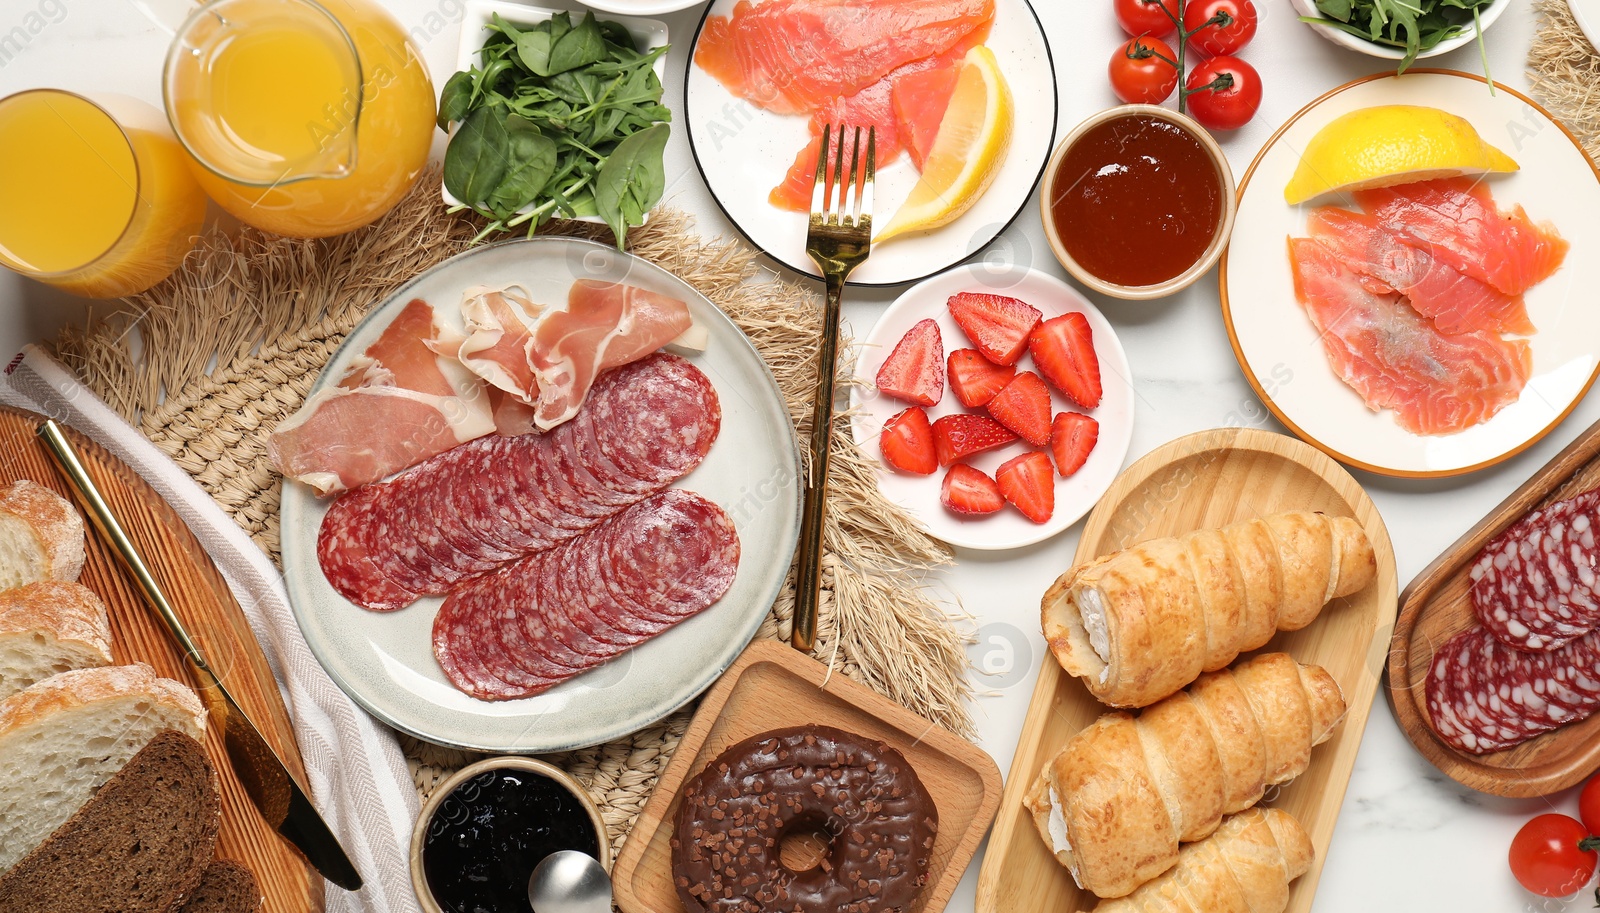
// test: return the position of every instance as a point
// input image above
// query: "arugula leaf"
(1413, 26)
(477, 158)
(632, 180)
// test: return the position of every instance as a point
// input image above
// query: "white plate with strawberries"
(997, 402)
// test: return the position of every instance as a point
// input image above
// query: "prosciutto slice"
(546, 358)
(398, 404)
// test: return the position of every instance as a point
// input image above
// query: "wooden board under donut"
(772, 686)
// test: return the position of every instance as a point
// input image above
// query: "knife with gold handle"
(281, 800)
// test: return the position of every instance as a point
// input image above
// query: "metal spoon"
(569, 881)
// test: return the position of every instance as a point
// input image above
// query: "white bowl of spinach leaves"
(555, 114)
(1402, 30)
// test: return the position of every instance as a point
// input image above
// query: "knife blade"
(281, 799)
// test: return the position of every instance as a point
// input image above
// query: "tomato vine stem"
(1222, 20)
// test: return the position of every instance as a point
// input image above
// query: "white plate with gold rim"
(1279, 350)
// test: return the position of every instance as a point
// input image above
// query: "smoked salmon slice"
(1456, 221)
(920, 100)
(1456, 302)
(794, 56)
(871, 107)
(1394, 358)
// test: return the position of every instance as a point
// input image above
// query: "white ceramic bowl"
(1345, 39)
(647, 34)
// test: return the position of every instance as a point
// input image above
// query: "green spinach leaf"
(632, 180)
(478, 156)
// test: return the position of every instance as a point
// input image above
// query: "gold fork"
(839, 239)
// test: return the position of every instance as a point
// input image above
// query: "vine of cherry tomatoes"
(1554, 855)
(1222, 92)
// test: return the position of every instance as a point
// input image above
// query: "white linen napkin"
(358, 777)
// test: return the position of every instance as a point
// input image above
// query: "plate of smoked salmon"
(1429, 327)
(541, 497)
(962, 95)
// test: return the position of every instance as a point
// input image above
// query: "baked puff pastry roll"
(1120, 797)
(1245, 867)
(1139, 624)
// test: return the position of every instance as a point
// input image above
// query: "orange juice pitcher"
(305, 118)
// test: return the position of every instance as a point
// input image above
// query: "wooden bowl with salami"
(1493, 666)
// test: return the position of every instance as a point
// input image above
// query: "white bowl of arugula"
(555, 114)
(1403, 30)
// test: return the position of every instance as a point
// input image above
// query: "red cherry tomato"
(1233, 98)
(1546, 857)
(1589, 805)
(1218, 27)
(1142, 71)
(1144, 17)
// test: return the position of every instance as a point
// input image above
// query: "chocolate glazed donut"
(735, 814)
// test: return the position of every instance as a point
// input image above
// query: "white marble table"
(1407, 839)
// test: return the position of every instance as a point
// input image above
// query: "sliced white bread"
(49, 627)
(64, 737)
(41, 536)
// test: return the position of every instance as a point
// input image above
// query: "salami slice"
(493, 500)
(347, 560)
(566, 610)
(1484, 696)
(1535, 586)
(655, 419)
(459, 647)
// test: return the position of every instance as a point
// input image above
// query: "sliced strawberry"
(1024, 407)
(997, 325)
(1029, 483)
(975, 379)
(1072, 437)
(907, 442)
(1063, 348)
(956, 437)
(914, 371)
(969, 491)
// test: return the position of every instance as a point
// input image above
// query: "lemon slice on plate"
(974, 136)
(1391, 144)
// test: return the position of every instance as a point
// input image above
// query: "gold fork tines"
(839, 239)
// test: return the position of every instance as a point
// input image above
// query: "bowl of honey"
(1138, 202)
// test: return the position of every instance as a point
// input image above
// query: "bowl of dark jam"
(1138, 202)
(484, 829)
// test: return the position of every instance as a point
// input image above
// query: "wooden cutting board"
(1437, 606)
(208, 608)
(773, 686)
(1206, 480)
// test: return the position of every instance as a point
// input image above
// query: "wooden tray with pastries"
(1437, 605)
(1243, 480)
(207, 607)
(771, 687)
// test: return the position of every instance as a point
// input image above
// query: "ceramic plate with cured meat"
(385, 661)
(1282, 354)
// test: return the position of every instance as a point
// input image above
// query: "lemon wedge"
(1391, 144)
(974, 136)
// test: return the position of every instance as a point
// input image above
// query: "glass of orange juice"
(303, 118)
(96, 197)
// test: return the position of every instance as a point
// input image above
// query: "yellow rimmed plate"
(1279, 350)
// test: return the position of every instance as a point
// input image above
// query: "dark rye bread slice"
(139, 845)
(227, 887)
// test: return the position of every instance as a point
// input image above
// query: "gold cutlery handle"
(94, 503)
(808, 576)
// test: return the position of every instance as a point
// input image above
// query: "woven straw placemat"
(1564, 73)
(229, 347)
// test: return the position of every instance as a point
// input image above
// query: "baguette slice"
(64, 737)
(41, 536)
(140, 845)
(48, 627)
(227, 887)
